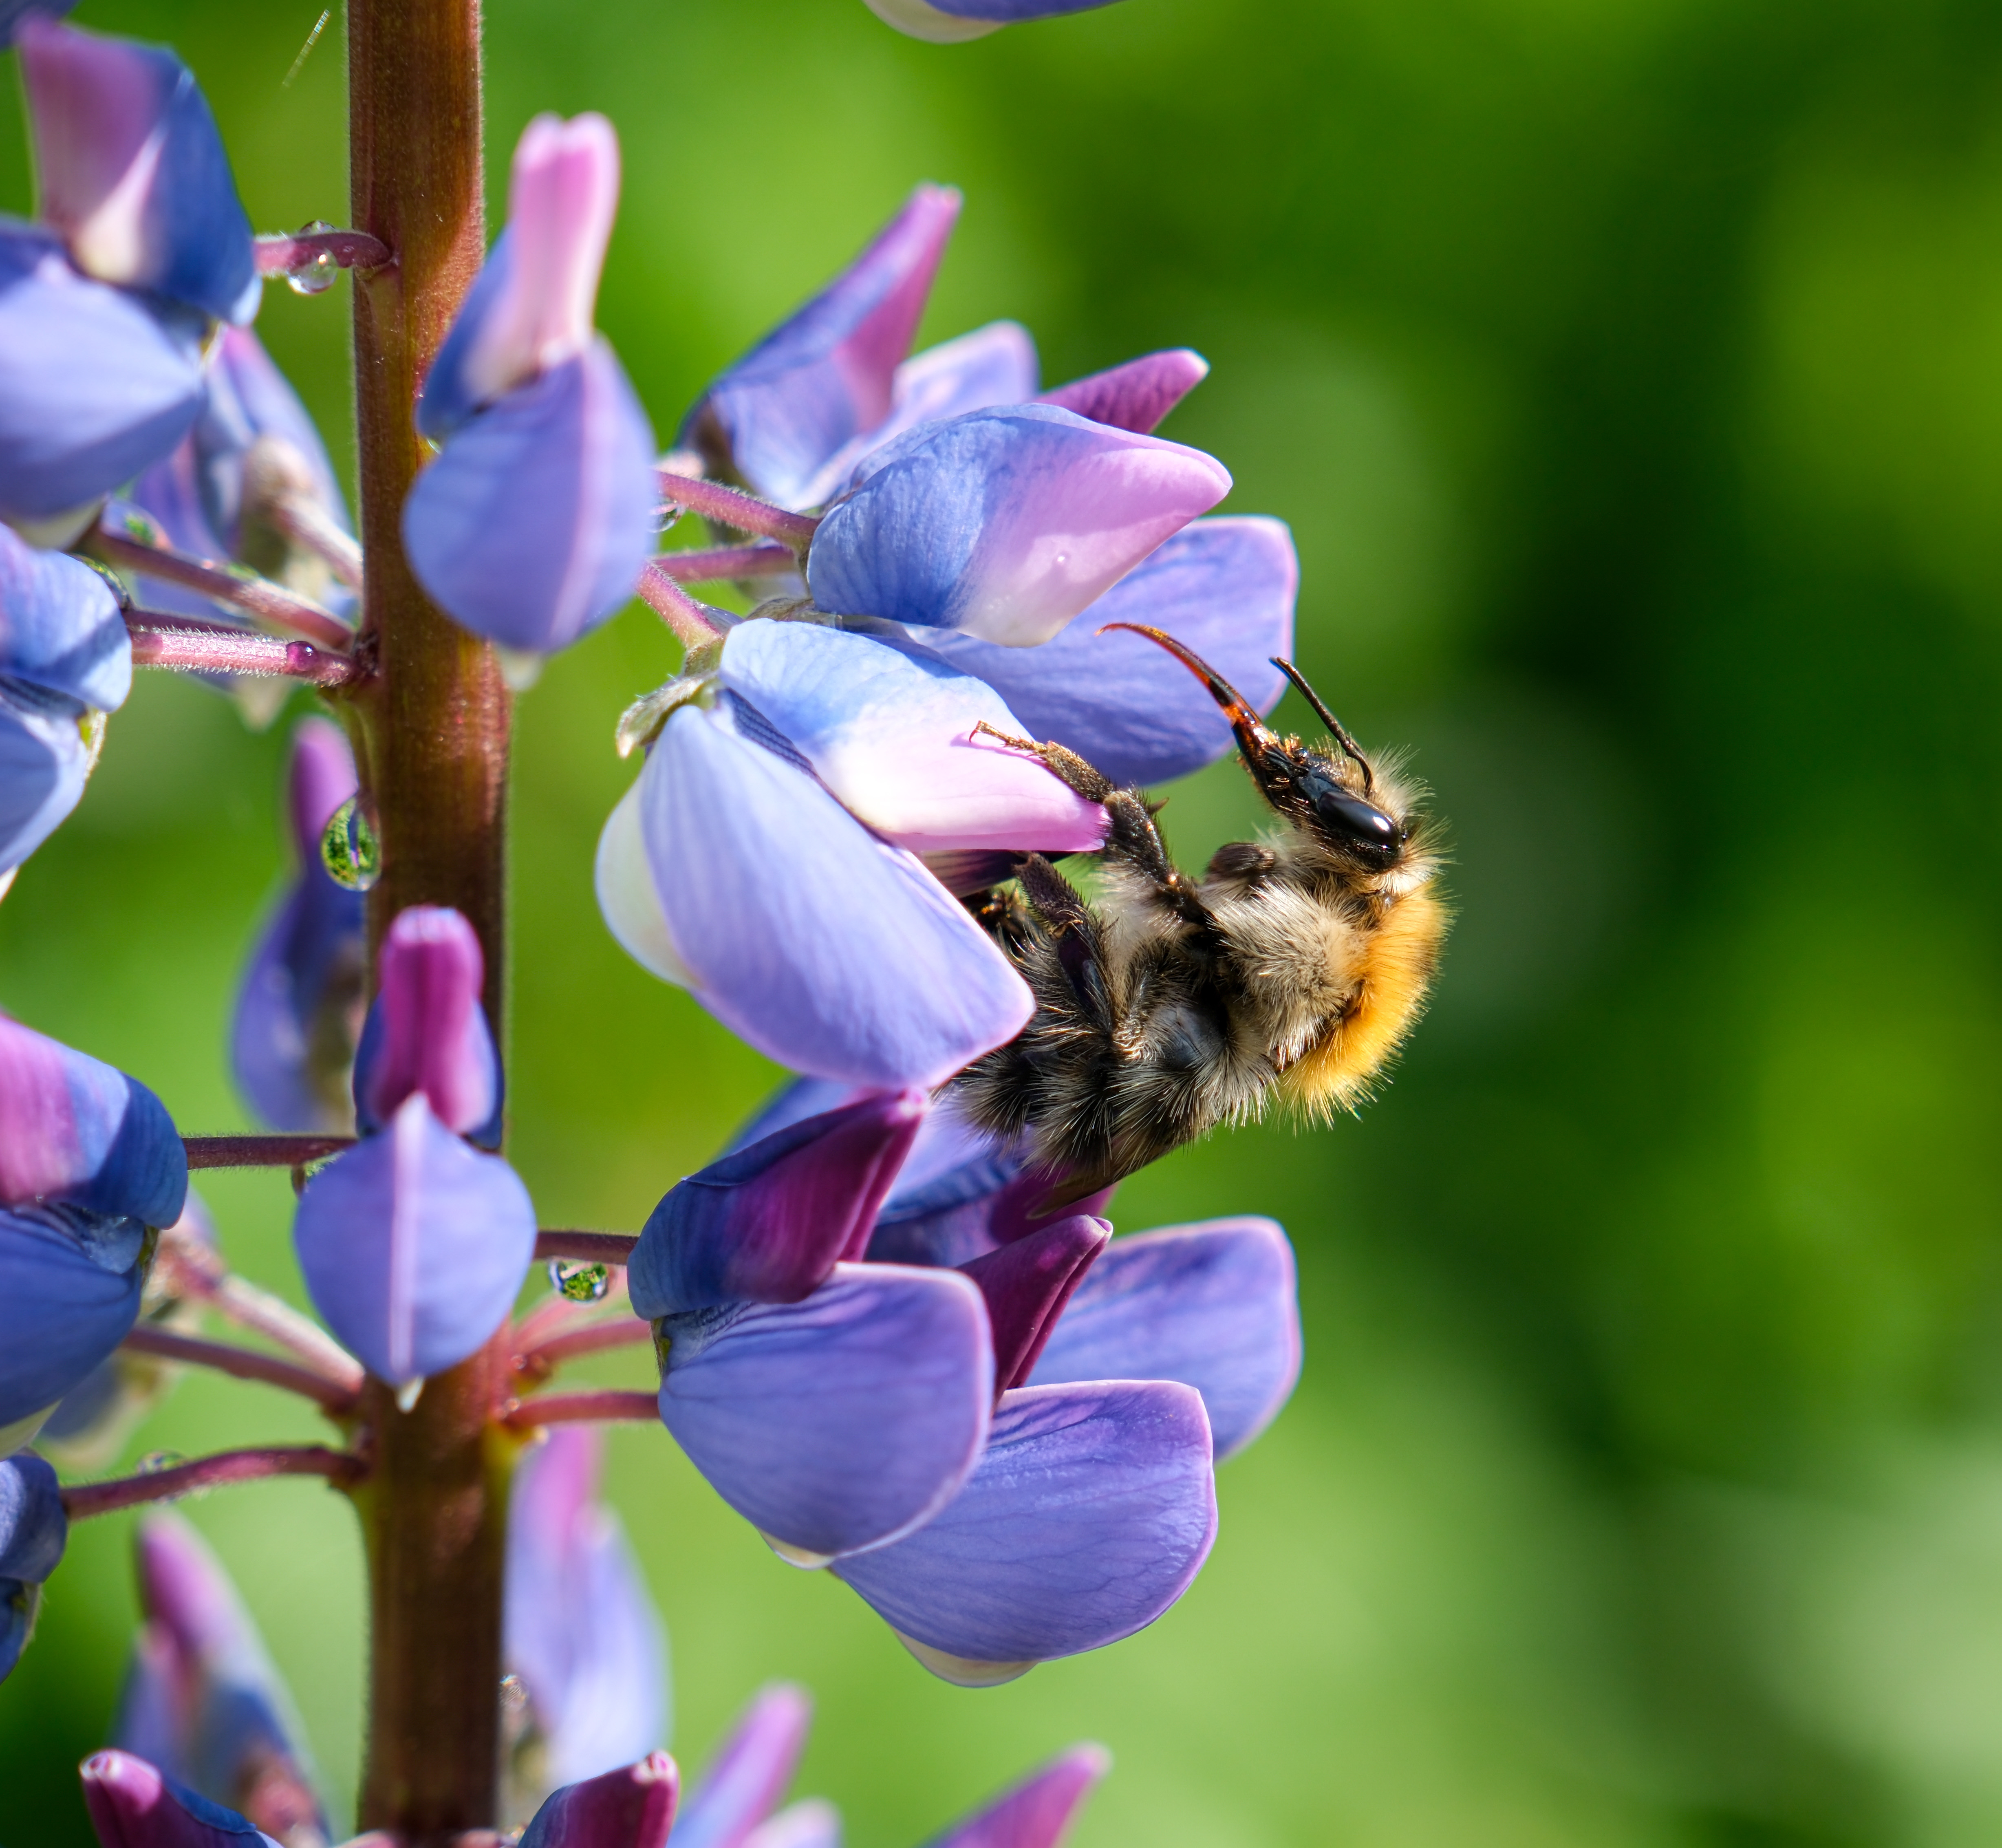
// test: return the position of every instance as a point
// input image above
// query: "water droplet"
(513, 1693)
(580, 1283)
(316, 275)
(351, 847)
(407, 1396)
(154, 1461)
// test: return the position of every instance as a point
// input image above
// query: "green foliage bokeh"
(1631, 375)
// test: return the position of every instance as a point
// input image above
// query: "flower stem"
(717, 563)
(732, 507)
(539, 1359)
(282, 252)
(340, 1467)
(587, 1247)
(584, 1408)
(215, 651)
(257, 596)
(694, 623)
(261, 1151)
(245, 1363)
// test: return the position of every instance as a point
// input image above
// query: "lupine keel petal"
(426, 1031)
(630, 1807)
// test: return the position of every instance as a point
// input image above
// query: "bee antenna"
(1350, 749)
(1236, 707)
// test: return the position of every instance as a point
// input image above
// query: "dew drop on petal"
(578, 1282)
(351, 848)
(316, 275)
(154, 1461)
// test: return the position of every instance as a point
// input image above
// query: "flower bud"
(631, 1808)
(769, 1223)
(426, 1031)
(132, 171)
(132, 1805)
(1037, 1812)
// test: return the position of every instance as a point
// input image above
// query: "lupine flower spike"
(533, 524)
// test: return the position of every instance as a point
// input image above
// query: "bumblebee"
(1166, 1005)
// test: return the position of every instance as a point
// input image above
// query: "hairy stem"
(82, 1500)
(584, 1408)
(432, 727)
(244, 1363)
(732, 507)
(587, 1247)
(258, 597)
(211, 651)
(261, 1151)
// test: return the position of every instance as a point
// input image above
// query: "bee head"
(1332, 793)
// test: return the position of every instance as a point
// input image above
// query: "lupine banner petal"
(580, 1629)
(1004, 523)
(1214, 1305)
(841, 1421)
(413, 1245)
(1224, 586)
(60, 626)
(768, 1223)
(533, 525)
(77, 1131)
(894, 738)
(1136, 395)
(743, 1783)
(69, 1294)
(897, 986)
(827, 374)
(93, 386)
(132, 170)
(132, 1805)
(631, 1808)
(1037, 1812)
(1092, 1509)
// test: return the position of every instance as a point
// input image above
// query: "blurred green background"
(1630, 373)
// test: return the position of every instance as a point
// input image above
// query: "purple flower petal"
(1026, 1285)
(1035, 1813)
(60, 627)
(750, 1771)
(132, 170)
(46, 758)
(841, 1421)
(826, 374)
(1092, 1510)
(75, 1131)
(69, 1294)
(533, 525)
(13, 12)
(994, 364)
(132, 1806)
(1136, 395)
(897, 987)
(581, 1630)
(413, 1245)
(292, 1038)
(1214, 1305)
(33, 1528)
(92, 387)
(1004, 523)
(894, 739)
(769, 1223)
(632, 1807)
(202, 1701)
(426, 1031)
(1224, 586)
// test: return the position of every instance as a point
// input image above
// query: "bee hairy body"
(1166, 1006)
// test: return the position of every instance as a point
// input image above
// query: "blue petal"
(580, 1629)
(132, 1806)
(60, 627)
(92, 387)
(533, 525)
(1004, 523)
(1092, 1510)
(449, 398)
(1214, 1305)
(13, 12)
(1009, 12)
(62, 1308)
(768, 1223)
(33, 1528)
(414, 1246)
(896, 986)
(1224, 586)
(207, 259)
(825, 375)
(1037, 1812)
(632, 1807)
(750, 1771)
(45, 761)
(75, 1131)
(841, 1421)
(896, 740)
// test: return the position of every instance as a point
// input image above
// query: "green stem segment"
(431, 725)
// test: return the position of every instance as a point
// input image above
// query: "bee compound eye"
(1361, 824)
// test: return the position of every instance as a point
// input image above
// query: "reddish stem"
(731, 506)
(714, 564)
(584, 1408)
(589, 1247)
(216, 651)
(282, 252)
(693, 622)
(267, 601)
(340, 1467)
(540, 1357)
(261, 1151)
(303, 520)
(246, 1363)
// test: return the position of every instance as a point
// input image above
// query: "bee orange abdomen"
(1391, 976)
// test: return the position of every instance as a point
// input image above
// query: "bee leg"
(1073, 931)
(1065, 765)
